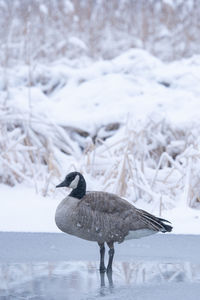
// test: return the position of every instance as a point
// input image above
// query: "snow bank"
(130, 125)
(22, 210)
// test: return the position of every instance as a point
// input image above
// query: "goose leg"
(111, 255)
(102, 254)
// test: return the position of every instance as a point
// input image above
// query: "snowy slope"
(104, 91)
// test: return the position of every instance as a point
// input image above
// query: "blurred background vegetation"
(49, 29)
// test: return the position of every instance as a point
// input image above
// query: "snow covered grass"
(130, 125)
(28, 153)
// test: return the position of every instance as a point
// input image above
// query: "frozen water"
(58, 266)
(82, 280)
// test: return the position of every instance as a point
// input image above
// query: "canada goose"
(103, 217)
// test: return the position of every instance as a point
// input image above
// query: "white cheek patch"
(75, 182)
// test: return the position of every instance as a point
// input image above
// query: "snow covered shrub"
(150, 160)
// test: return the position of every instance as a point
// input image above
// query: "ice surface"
(81, 280)
(58, 266)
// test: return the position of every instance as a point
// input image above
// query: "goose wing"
(104, 216)
(105, 202)
(113, 217)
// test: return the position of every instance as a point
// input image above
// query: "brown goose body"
(103, 217)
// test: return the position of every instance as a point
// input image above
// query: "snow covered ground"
(23, 210)
(153, 107)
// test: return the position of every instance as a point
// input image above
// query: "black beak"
(62, 184)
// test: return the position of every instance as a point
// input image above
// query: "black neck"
(80, 191)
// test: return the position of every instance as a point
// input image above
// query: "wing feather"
(112, 217)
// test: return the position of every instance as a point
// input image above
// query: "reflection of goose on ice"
(109, 276)
(110, 281)
(103, 217)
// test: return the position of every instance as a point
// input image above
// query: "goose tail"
(166, 227)
(155, 223)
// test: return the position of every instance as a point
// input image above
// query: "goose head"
(76, 181)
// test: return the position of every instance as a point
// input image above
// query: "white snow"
(24, 210)
(157, 105)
